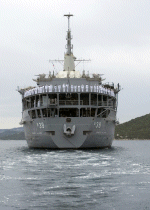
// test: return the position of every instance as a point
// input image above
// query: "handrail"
(68, 102)
(106, 109)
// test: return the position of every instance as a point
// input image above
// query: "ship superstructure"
(69, 109)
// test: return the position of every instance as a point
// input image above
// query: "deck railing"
(68, 102)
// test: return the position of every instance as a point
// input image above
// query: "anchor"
(69, 131)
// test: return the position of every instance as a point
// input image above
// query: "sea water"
(115, 178)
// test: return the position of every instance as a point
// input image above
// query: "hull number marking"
(97, 124)
(40, 125)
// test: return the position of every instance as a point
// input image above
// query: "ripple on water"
(96, 179)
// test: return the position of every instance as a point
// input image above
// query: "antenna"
(68, 38)
(69, 15)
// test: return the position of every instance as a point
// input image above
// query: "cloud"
(114, 34)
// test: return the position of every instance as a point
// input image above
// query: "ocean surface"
(115, 178)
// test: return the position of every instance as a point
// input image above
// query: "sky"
(114, 34)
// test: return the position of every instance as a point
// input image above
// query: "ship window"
(100, 100)
(38, 113)
(24, 104)
(30, 113)
(85, 112)
(44, 100)
(84, 97)
(99, 111)
(37, 101)
(52, 99)
(68, 99)
(94, 99)
(44, 112)
(93, 110)
(28, 103)
(33, 114)
(103, 113)
(32, 101)
(52, 112)
(64, 112)
(105, 98)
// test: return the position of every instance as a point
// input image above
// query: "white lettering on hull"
(97, 124)
(40, 125)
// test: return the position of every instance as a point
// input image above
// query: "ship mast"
(69, 58)
(68, 38)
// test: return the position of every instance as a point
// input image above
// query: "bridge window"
(94, 99)
(84, 97)
(64, 112)
(38, 113)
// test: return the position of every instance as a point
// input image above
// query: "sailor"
(50, 88)
(97, 88)
(32, 92)
(79, 88)
(104, 91)
(59, 88)
(46, 87)
(100, 88)
(91, 88)
(112, 93)
(87, 88)
(75, 88)
(82, 87)
(71, 88)
(55, 88)
(38, 103)
(41, 89)
(67, 87)
(64, 88)
(38, 89)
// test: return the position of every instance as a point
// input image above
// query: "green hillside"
(138, 128)
(16, 136)
(12, 134)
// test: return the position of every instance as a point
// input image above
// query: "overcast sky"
(114, 34)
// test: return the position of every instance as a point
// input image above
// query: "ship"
(69, 109)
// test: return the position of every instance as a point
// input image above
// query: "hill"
(12, 134)
(138, 128)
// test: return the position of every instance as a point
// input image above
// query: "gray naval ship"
(69, 109)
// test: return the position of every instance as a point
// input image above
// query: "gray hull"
(88, 133)
(69, 110)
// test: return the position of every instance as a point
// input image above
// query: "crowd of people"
(69, 88)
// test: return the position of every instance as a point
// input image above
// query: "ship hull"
(51, 133)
